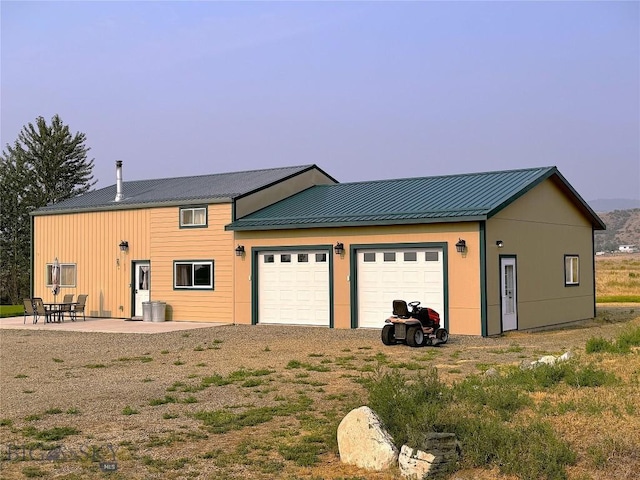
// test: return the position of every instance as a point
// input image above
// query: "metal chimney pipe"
(119, 194)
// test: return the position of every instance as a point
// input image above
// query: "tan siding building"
(490, 252)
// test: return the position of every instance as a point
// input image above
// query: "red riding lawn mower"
(417, 326)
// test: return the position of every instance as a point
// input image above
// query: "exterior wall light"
(239, 250)
(499, 244)
(124, 246)
(339, 248)
(461, 246)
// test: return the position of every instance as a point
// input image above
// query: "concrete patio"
(104, 325)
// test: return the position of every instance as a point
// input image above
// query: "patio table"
(58, 310)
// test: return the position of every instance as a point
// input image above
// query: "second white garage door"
(293, 287)
(385, 275)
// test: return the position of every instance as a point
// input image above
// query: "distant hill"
(623, 228)
(611, 204)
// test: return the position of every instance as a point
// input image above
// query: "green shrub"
(589, 377)
(404, 405)
(599, 344)
(51, 434)
(480, 412)
(627, 339)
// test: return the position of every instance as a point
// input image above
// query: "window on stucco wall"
(571, 270)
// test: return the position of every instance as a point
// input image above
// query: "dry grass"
(618, 275)
(264, 402)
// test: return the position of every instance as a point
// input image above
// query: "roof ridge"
(346, 215)
(239, 172)
(492, 172)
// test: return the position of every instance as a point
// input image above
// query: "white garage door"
(293, 287)
(385, 275)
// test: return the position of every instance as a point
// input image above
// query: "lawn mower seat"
(400, 309)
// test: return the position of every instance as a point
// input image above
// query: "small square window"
(303, 258)
(431, 256)
(571, 270)
(389, 256)
(285, 258)
(193, 217)
(67, 274)
(410, 256)
(321, 257)
(370, 257)
(268, 259)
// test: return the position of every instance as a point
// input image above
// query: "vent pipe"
(119, 194)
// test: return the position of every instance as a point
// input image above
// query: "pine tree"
(46, 164)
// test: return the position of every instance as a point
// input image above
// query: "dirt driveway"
(142, 394)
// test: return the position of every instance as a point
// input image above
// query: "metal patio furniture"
(29, 310)
(42, 310)
(78, 307)
(67, 305)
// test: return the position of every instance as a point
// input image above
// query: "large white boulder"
(363, 442)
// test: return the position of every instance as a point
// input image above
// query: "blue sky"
(365, 90)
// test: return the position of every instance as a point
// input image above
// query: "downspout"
(593, 259)
(483, 279)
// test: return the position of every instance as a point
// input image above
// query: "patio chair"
(78, 307)
(42, 310)
(29, 310)
(67, 305)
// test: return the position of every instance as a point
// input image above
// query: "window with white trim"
(193, 217)
(571, 270)
(193, 275)
(67, 274)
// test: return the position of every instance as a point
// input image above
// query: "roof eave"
(131, 206)
(355, 223)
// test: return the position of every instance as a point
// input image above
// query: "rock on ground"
(363, 442)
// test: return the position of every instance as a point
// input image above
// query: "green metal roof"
(451, 198)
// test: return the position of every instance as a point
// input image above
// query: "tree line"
(46, 164)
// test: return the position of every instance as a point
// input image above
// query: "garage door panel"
(414, 275)
(294, 289)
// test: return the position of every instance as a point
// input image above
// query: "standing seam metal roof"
(471, 196)
(222, 186)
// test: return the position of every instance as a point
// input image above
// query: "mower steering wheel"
(413, 305)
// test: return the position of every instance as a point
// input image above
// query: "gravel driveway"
(88, 380)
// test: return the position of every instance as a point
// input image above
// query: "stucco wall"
(464, 283)
(540, 228)
(283, 189)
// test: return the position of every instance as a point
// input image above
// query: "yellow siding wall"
(540, 228)
(464, 280)
(90, 240)
(168, 242)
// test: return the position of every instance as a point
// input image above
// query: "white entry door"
(508, 294)
(388, 274)
(293, 287)
(142, 282)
